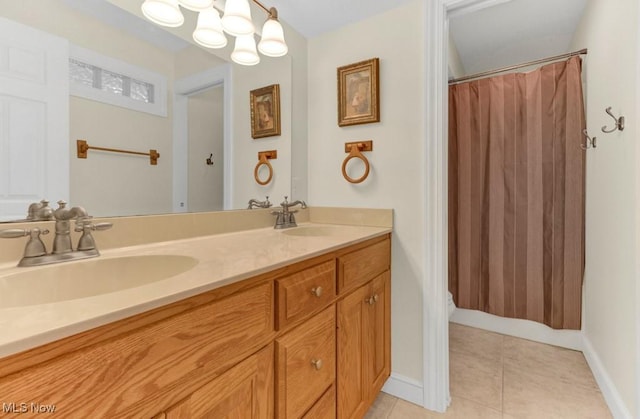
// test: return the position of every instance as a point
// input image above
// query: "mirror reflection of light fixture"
(236, 21)
(208, 32)
(163, 12)
(237, 18)
(245, 51)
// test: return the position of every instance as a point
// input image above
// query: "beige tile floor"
(497, 376)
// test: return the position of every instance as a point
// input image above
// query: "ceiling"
(497, 33)
(315, 17)
(514, 32)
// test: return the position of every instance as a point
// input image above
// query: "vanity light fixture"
(211, 27)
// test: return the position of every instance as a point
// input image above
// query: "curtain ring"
(263, 161)
(355, 153)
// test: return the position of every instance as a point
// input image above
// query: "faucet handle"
(84, 224)
(86, 241)
(35, 246)
(21, 232)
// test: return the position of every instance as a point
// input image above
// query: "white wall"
(456, 68)
(396, 179)
(206, 136)
(610, 31)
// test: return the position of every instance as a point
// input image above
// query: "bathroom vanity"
(267, 324)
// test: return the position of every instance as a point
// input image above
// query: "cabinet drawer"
(244, 391)
(325, 408)
(306, 364)
(358, 267)
(305, 292)
(180, 352)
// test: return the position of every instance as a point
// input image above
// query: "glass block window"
(105, 79)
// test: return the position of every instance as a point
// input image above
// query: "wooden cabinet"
(363, 342)
(325, 407)
(309, 340)
(305, 292)
(243, 392)
(305, 364)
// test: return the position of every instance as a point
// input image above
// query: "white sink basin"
(311, 231)
(73, 280)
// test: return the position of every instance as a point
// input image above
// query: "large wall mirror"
(96, 70)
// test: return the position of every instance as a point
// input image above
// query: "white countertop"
(222, 259)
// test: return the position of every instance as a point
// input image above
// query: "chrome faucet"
(40, 211)
(35, 252)
(254, 203)
(62, 240)
(285, 218)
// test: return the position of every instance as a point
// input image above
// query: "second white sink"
(69, 281)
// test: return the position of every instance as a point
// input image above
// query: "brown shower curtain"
(516, 194)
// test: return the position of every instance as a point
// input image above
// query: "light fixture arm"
(272, 12)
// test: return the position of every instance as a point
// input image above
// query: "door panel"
(34, 118)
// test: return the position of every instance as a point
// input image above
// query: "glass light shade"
(245, 51)
(237, 18)
(163, 12)
(208, 32)
(196, 5)
(272, 42)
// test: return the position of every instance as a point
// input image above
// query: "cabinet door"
(363, 346)
(245, 391)
(377, 327)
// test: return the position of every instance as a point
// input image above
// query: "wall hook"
(210, 160)
(589, 142)
(619, 122)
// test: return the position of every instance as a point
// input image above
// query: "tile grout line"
(393, 406)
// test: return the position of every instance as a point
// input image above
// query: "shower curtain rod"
(513, 67)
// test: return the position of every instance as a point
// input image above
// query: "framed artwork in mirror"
(265, 111)
(358, 93)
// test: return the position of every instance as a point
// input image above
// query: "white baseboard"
(609, 391)
(404, 388)
(525, 329)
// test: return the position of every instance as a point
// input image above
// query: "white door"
(34, 118)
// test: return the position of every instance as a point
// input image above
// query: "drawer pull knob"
(317, 363)
(372, 300)
(317, 291)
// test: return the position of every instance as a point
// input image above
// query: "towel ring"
(263, 160)
(354, 152)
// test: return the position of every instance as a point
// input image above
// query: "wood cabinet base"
(310, 340)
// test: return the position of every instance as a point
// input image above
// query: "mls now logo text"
(28, 408)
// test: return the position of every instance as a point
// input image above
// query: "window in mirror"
(104, 79)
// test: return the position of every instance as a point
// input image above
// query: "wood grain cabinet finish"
(305, 364)
(361, 266)
(134, 374)
(243, 392)
(305, 292)
(308, 340)
(325, 408)
(364, 344)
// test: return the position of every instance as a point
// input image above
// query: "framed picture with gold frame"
(265, 111)
(358, 93)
